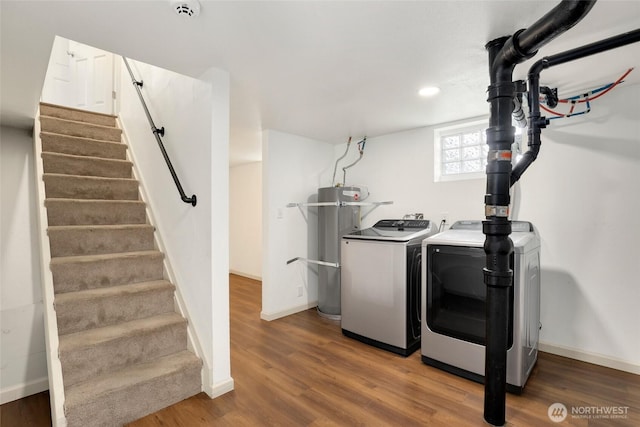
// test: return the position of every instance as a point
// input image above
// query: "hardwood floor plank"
(301, 371)
(32, 411)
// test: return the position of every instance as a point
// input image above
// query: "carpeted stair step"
(89, 187)
(77, 273)
(100, 351)
(97, 308)
(87, 212)
(84, 130)
(74, 114)
(71, 240)
(130, 394)
(68, 164)
(123, 348)
(57, 143)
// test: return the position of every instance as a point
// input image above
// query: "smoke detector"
(186, 8)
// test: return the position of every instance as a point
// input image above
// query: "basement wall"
(195, 114)
(23, 363)
(245, 220)
(293, 169)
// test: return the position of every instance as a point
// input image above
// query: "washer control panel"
(400, 224)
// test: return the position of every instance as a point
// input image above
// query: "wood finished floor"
(301, 371)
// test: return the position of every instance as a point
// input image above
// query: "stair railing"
(158, 132)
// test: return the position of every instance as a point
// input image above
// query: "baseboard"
(215, 390)
(248, 276)
(584, 356)
(273, 316)
(19, 391)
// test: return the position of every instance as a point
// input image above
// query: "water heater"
(340, 216)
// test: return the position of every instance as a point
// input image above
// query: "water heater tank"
(333, 223)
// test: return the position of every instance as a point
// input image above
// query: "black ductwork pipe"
(504, 54)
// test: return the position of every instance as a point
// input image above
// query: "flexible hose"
(518, 113)
(335, 167)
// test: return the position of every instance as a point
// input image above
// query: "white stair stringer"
(56, 386)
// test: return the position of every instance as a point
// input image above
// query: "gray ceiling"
(320, 69)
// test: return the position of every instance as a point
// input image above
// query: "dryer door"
(456, 293)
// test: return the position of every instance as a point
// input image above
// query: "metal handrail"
(157, 132)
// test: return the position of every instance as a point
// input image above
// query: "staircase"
(122, 346)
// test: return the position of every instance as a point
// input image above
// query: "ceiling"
(321, 69)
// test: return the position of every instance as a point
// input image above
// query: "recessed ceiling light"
(429, 91)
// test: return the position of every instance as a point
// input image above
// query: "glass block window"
(461, 150)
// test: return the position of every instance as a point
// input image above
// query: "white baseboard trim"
(19, 391)
(584, 356)
(293, 310)
(248, 276)
(215, 390)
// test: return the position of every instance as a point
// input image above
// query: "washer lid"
(394, 230)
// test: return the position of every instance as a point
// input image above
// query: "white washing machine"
(380, 276)
(453, 303)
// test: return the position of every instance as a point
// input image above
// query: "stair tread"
(100, 257)
(83, 138)
(86, 124)
(94, 178)
(95, 293)
(63, 107)
(71, 200)
(85, 158)
(112, 382)
(114, 227)
(92, 337)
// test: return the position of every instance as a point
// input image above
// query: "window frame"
(441, 132)
(472, 125)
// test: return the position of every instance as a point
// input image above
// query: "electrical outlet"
(444, 217)
(299, 291)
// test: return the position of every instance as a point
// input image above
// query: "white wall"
(245, 220)
(293, 168)
(583, 194)
(23, 365)
(219, 204)
(399, 167)
(195, 116)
